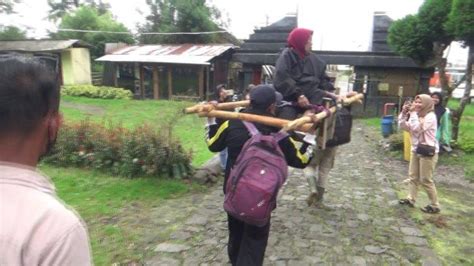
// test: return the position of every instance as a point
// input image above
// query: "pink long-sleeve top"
(417, 126)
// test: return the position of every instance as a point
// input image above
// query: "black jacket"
(295, 76)
(232, 134)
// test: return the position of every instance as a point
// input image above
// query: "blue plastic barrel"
(387, 125)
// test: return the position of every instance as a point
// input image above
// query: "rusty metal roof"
(40, 45)
(194, 54)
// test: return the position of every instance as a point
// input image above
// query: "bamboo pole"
(266, 120)
(304, 123)
(204, 107)
(198, 108)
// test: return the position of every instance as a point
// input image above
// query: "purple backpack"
(256, 177)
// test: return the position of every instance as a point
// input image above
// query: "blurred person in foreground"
(36, 228)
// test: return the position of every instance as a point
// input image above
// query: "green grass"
(189, 129)
(117, 210)
(108, 204)
(451, 233)
(372, 122)
(454, 242)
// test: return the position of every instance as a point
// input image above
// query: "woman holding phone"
(420, 121)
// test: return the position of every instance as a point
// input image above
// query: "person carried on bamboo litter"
(256, 169)
(301, 78)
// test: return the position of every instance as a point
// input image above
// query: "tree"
(59, 9)
(180, 16)
(425, 36)
(404, 37)
(88, 18)
(11, 33)
(6, 6)
(461, 24)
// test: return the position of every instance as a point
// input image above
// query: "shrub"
(130, 153)
(396, 141)
(467, 143)
(91, 91)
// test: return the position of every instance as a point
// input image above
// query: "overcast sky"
(337, 24)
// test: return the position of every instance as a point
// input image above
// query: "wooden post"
(142, 82)
(201, 82)
(156, 83)
(323, 130)
(115, 75)
(170, 83)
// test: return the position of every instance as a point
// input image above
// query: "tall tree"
(404, 37)
(429, 32)
(88, 18)
(11, 33)
(423, 37)
(180, 16)
(461, 24)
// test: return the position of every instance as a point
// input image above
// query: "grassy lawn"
(189, 129)
(113, 208)
(119, 211)
(450, 234)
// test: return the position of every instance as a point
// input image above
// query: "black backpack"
(342, 130)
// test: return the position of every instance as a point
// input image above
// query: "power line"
(144, 33)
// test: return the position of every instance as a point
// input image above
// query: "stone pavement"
(366, 226)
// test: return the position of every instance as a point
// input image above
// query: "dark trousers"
(247, 243)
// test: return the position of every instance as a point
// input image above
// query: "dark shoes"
(430, 209)
(311, 200)
(427, 209)
(406, 202)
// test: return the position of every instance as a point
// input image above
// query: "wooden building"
(181, 71)
(379, 73)
(69, 58)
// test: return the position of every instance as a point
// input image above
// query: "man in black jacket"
(247, 243)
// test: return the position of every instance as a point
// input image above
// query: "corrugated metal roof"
(40, 45)
(194, 54)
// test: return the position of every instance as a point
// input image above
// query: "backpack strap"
(254, 131)
(280, 135)
(251, 128)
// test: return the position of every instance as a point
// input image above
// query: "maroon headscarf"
(298, 38)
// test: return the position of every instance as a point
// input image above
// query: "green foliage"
(461, 21)
(88, 18)
(467, 143)
(422, 37)
(432, 15)
(11, 33)
(131, 114)
(59, 8)
(130, 153)
(180, 16)
(396, 141)
(374, 122)
(404, 36)
(7, 6)
(91, 91)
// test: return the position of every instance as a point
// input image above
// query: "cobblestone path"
(365, 226)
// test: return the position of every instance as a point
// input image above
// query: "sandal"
(406, 202)
(430, 209)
